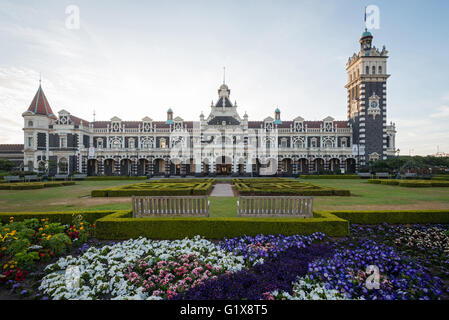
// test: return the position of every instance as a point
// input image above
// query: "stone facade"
(224, 143)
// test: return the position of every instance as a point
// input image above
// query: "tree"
(6, 165)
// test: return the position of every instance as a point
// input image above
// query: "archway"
(303, 165)
(175, 167)
(159, 167)
(125, 167)
(318, 165)
(206, 166)
(109, 167)
(223, 166)
(350, 165)
(92, 167)
(287, 166)
(334, 165)
(141, 167)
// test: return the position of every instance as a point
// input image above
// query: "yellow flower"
(40, 229)
(46, 226)
(3, 248)
(82, 228)
(5, 266)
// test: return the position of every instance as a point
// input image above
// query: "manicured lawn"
(364, 196)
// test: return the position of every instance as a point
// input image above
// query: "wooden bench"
(170, 206)
(275, 206)
(79, 176)
(12, 178)
(32, 178)
(382, 175)
(365, 175)
(60, 177)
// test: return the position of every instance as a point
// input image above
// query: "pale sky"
(133, 59)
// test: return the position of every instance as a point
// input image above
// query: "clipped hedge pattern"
(122, 226)
(106, 178)
(411, 183)
(331, 176)
(158, 188)
(289, 187)
(34, 185)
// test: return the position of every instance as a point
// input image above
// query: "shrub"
(122, 226)
(394, 217)
(332, 176)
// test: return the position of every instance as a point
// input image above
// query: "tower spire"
(224, 75)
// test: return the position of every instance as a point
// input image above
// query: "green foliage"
(165, 187)
(63, 217)
(411, 183)
(332, 176)
(122, 226)
(6, 165)
(107, 178)
(394, 164)
(35, 185)
(272, 187)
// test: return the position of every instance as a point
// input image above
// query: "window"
(313, 143)
(131, 144)
(30, 142)
(63, 142)
(284, 143)
(328, 144)
(374, 69)
(343, 143)
(100, 143)
(162, 141)
(30, 123)
(268, 144)
(116, 144)
(380, 69)
(63, 165)
(367, 70)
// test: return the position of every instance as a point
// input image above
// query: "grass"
(364, 196)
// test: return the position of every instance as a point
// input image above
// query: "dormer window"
(63, 142)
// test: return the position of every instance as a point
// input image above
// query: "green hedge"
(395, 217)
(34, 185)
(331, 176)
(411, 183)
(65, 217)
(288, 187)
(122, 226)
(103, 178)
(165, 188)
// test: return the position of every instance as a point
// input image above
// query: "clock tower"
(367, 100)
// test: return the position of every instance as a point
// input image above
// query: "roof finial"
(40, 78)
(224, 75)
(94, 115)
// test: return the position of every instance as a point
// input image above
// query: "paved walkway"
(222, 190)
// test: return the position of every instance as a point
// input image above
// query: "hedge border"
(394, 217)
(64, 217)
(120, 226)
(330, 176)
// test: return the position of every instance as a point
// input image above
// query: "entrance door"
(224, 169)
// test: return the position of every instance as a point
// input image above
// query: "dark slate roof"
(219, 104)
(77, 120)
(11, 148)
(219, 120)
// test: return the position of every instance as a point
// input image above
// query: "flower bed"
(411, 260)
(22, 244)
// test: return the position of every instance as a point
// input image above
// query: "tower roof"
(366, 34)
(40, 104)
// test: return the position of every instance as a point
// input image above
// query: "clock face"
(374, 104)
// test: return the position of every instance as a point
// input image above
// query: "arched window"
(162, 143)
(367, 70)
(380, 69)
(30, 123)
(374, 69)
